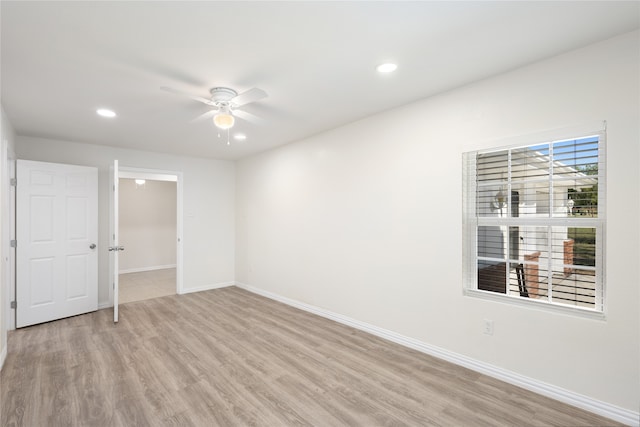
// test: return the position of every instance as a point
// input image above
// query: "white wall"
(365, 221)
(209, 194)
(147, 225)
(7, 137)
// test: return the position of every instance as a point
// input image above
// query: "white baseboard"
(102, 305)
(3, 356)
(207, 287)
(604, 409)
(141, 269)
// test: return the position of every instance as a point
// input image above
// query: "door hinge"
(13, 243)
(14, 304)
(13, 182)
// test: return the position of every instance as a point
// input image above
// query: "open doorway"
(148, 230)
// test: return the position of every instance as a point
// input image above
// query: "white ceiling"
(60, 61)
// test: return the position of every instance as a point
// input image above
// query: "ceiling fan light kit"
(224, 120)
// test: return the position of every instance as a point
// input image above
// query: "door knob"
(92, 246)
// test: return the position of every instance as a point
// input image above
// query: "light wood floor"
(146, 285)
(228, 357)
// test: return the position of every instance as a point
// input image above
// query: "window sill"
(534, 304)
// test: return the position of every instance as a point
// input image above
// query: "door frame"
(8, 232)
(161, 175)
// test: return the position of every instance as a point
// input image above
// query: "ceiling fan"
(226, 103)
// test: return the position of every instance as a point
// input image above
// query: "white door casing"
(9, 234)
(57, 238)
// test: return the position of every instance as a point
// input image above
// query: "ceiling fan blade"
(248, 117)
(209, 114)
(252, 95)
(188, 95)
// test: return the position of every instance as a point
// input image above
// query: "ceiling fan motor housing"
(222, 94)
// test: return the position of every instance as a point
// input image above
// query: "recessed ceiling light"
(386, 68)
(105, 113)
(239, 136)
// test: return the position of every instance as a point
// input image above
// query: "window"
(534, 222)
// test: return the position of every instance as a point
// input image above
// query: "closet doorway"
(148, 230)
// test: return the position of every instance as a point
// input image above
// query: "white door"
(114, 247)
(57, 237)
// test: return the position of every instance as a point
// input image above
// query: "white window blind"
(534, 221)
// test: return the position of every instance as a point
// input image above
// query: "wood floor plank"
(232, 358)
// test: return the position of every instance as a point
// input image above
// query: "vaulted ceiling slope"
(60, 61)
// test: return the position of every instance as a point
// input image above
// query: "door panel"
(56, 226)
(41, 271)
(77, 272)
(42, 218)
(77, 213)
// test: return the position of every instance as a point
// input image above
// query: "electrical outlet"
(488, 327)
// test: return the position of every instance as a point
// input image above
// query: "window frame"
(472, 221)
